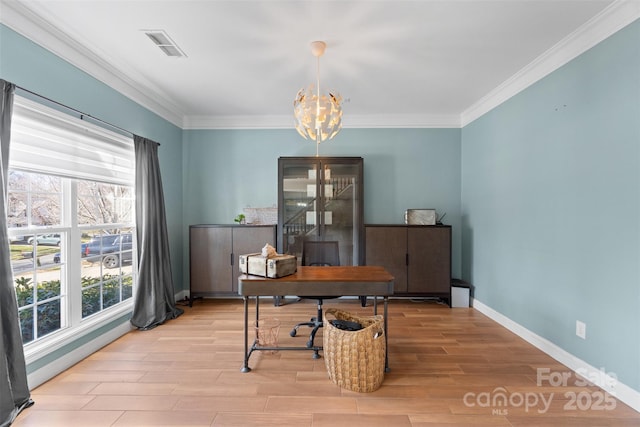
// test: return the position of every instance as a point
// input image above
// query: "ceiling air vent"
(164, 42)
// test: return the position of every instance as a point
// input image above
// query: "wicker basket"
(355, 360)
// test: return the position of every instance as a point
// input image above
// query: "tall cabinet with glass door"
(321, 199)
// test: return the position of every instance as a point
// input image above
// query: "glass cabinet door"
(321, 199)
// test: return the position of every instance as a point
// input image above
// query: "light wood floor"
(447, 368)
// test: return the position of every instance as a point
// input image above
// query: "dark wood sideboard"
(418, 256)
(213, 255)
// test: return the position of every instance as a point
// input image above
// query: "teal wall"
(228, 170)
(30, 66)
(551, 206)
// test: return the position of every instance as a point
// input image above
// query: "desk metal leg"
(245, 366)
(257, 310)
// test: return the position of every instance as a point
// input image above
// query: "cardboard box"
(278, 266)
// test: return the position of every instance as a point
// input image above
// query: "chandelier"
(318, 117)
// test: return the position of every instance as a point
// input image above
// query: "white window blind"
(45, 140)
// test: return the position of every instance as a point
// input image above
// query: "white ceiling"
(396, 63)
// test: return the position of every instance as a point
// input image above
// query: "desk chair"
(323, 254)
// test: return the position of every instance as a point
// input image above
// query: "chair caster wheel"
(293, 333)
(309, 344)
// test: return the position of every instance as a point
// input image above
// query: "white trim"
(408, 121)
(57, 340)
(239, 122)
(612, 19)
(22, 19)
(182, 295)
(60, 364)
(377, 121)
(611, 385)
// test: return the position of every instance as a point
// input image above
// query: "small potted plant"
(240, 219)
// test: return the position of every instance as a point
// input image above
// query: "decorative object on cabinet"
(261, 216)
(418, 256)
(213, 256)
(420, 217)
(318, 116)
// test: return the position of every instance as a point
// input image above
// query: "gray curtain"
(154, 301)
(14, 390)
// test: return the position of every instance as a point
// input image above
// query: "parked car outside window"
(110, 249)
(45, 239)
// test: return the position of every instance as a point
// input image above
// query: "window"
(70, 218)
(34, 202)
(107, 257)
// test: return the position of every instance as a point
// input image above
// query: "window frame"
(75, 331)
(73, 325)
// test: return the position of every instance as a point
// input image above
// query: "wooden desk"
(312, 281)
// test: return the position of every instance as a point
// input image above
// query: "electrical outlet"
(581, 329)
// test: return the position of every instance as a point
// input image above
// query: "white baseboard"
(182, 295)
(597, 376)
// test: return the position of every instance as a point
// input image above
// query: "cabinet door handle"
(407, 259)
(231, 260)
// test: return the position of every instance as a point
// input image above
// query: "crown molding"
(383, 121)
(238, 122)
(20, 18)
(616, 16)
(378, 121)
